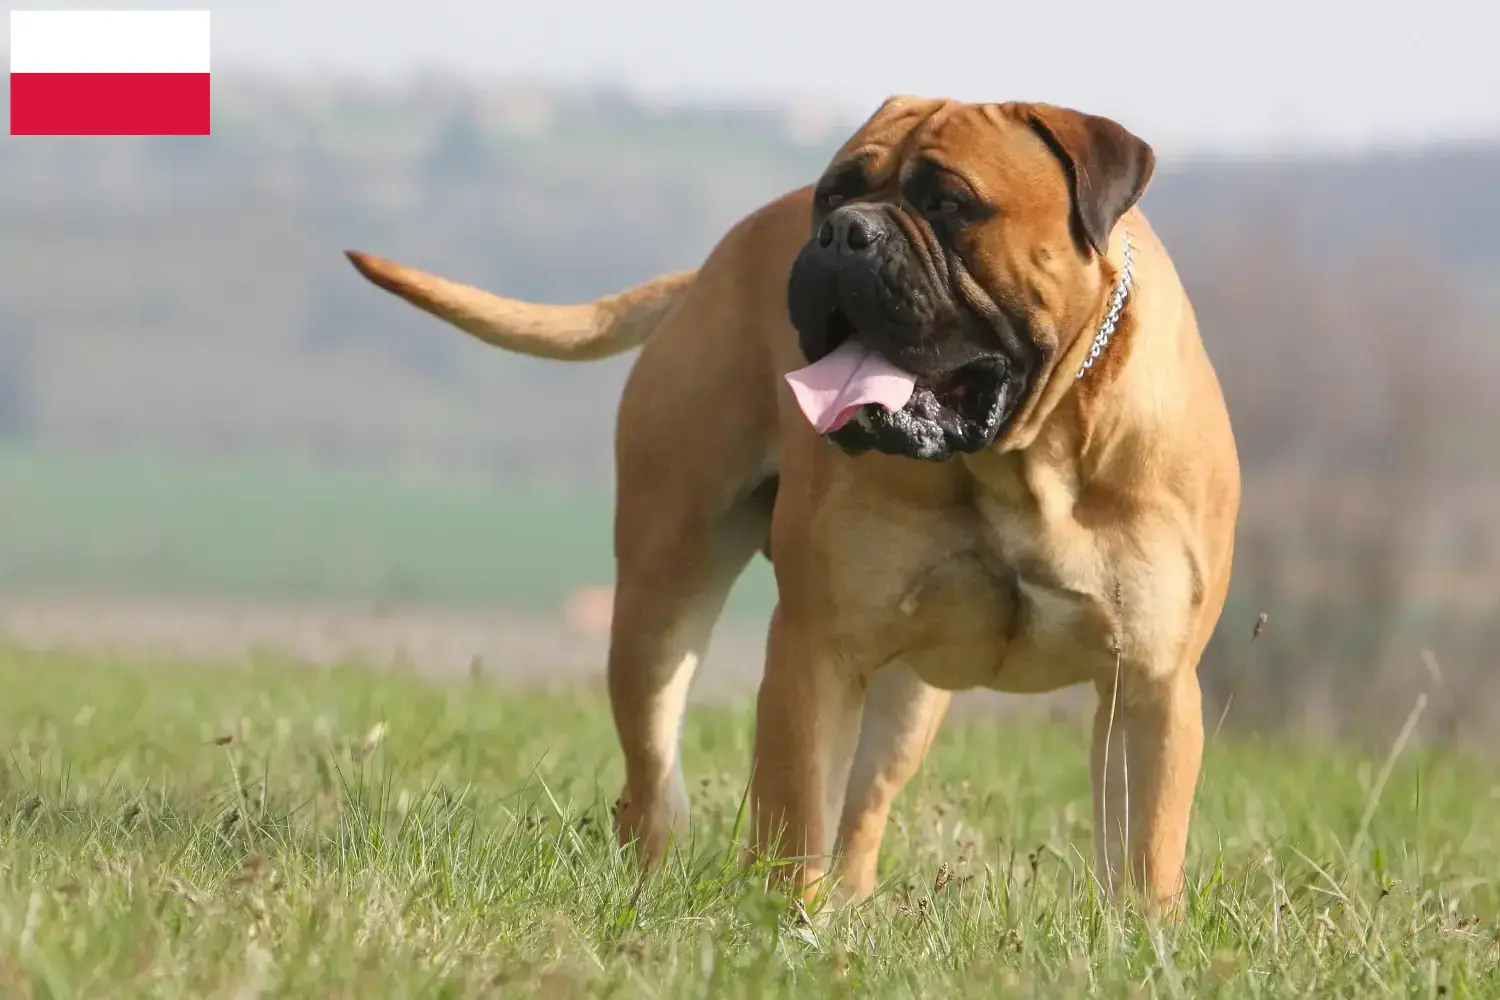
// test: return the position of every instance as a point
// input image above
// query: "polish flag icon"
(109, 72)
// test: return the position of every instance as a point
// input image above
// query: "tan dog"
(1027, 480)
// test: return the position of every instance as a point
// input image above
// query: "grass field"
(186, 830)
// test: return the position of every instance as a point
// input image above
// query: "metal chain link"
(1117, 298)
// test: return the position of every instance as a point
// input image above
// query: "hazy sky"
(1187, 74)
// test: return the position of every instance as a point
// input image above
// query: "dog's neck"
(1028, 423)
(1117, 296)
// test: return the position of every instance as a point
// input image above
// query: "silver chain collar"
(1117, 296)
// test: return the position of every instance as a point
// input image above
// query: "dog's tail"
(609, 325)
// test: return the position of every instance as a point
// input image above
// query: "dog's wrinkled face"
(962, 244)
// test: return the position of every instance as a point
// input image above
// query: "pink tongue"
(831, 390)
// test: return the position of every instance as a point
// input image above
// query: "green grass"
(284, 530)
(177, 830)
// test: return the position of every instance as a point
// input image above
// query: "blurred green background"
(289, 530)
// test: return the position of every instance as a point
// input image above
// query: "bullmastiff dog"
(956, 393)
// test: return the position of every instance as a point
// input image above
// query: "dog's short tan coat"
(1091, 543)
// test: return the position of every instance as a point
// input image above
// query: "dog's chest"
(1059, 562)
(982, 595)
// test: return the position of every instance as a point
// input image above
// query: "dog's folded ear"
(1109, 166)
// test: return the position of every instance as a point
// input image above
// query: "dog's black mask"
(872, 274)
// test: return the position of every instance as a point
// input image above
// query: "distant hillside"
(189, 295)
(188, 298)
(1440, 203)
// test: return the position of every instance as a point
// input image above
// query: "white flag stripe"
(109, 41)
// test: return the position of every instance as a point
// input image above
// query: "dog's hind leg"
(670, 589)
(695, 488)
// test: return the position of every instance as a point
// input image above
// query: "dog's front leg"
(901, 717)
(1147, 750)
(806, 730)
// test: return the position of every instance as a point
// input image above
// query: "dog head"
(963, 244)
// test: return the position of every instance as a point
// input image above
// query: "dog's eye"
(941, 204)
(833, 200)
(943, 208)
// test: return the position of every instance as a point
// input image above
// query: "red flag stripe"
(109, 104)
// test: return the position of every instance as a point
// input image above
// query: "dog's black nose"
(849, 231)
